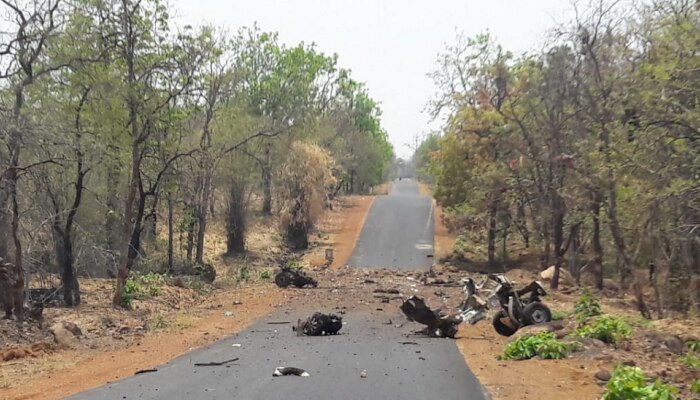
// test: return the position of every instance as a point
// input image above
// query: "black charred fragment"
(319, 324)
(416, 310)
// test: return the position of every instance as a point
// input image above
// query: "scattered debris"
(437, 325)
(215, 363)
(319, 324)
(387, 291)
(145, 371)
(516, 309)
(294, 276)
(283, 371)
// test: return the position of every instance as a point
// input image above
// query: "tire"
(536, 313)
(500, 327)
(283, 279)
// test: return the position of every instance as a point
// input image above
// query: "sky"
(389, 44)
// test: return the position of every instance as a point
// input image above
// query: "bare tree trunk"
(558, 231)
(202, 213)
(129, 223)
(493, 212)
(171, 264)
(267, 182)
(597, 246)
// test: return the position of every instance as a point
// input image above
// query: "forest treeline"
(587, 151)
(117, 125)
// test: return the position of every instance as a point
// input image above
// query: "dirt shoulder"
(115, 343)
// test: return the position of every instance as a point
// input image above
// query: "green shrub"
(690, 360)
(586, 307)
(243, 273)
(695, 387)
(629, 383)
(560, 315)
(694, 346)
(265, 274)
(543, 345)
(137, 285)
(607, 328)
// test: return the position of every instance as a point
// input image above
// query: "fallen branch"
(215, 363)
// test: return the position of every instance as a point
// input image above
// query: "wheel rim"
(539, 316)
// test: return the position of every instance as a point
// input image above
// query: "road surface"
(376, 338)
(398, 232)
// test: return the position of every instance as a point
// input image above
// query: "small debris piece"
(237, 303)
(228, 314)
(363, 374)
(284, 371)
(236, 345)
(319, 324)
(603, 375)
(369, 281)
(144, 371)
(215, 363)
(387, 291)
(278, 322)
(413, 343)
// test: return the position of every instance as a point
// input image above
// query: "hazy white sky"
(388, 44)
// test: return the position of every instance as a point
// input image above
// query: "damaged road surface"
(366, 360)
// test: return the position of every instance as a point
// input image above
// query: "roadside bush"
(690, 360)
(560, 315)
(586, 307)
(629, 383)
(137, 285)
(304, 180)
(265, 274)
(543, 345)
(606, 328)
(695, 387)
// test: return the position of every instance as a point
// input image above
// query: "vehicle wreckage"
(290, 275)
(515, 308)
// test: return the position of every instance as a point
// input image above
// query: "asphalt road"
(397, 366)
(376, 338)
(398, 232)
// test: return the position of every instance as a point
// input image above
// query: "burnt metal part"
(294, 276)
(319, 324)
(438, 325)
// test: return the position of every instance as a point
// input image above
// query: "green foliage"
(543, 345)
(586, 307)
(560, 315)
(606, 328)
(138, 285)
(629, 383)
(695, 387)
(690, 360)
(265, 274)
(694, 346)
(243, 274)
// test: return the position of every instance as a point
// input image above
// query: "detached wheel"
(536, 313)
(283, 279)
(501, 327)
